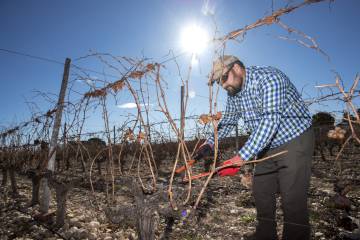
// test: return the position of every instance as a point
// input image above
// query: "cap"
(220, 65)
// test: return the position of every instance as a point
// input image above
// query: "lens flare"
(194, 39)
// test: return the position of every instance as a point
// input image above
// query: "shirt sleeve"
(272, 94)
(228, 121)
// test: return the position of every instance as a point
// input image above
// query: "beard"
(235, 88)
(231, 90)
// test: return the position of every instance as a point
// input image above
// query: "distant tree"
(97, 141)
(323, 118)
(323, 122)
(344, 123)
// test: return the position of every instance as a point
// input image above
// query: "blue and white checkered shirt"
(271, 108)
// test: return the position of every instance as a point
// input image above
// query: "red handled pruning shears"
(226, 164)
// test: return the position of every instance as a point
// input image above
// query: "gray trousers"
(288, 175)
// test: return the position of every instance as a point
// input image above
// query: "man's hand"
(231, 171)
(205, 150)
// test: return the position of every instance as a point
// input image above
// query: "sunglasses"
(225, 76)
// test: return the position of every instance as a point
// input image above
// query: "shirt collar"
(247, 79)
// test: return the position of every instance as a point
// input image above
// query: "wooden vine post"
(45, 198)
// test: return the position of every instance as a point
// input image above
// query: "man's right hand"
(205, 150)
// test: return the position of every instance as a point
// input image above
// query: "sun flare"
(194, 39)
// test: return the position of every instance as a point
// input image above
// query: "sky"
(37, 35)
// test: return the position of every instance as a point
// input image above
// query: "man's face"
(233, 79)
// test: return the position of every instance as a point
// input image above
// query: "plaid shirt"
(271, 108)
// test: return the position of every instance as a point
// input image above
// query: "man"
(278, 119)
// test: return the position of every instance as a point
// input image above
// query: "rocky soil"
(226, 211)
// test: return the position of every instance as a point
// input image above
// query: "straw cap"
(220, 66)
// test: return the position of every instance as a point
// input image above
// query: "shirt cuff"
(211, 142)
(245, 154)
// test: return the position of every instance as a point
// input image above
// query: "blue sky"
(60, 29)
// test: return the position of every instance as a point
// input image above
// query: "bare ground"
(226, 211)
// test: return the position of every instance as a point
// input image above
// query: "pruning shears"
(226, 164)
(193, 177)
(232, 166)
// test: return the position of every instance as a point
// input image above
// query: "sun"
(194, 39)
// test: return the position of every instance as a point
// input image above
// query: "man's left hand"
(234, 166)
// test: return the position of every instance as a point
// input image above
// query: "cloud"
(131, 105)
(127, 105)
(192, 94)
(89, 81)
